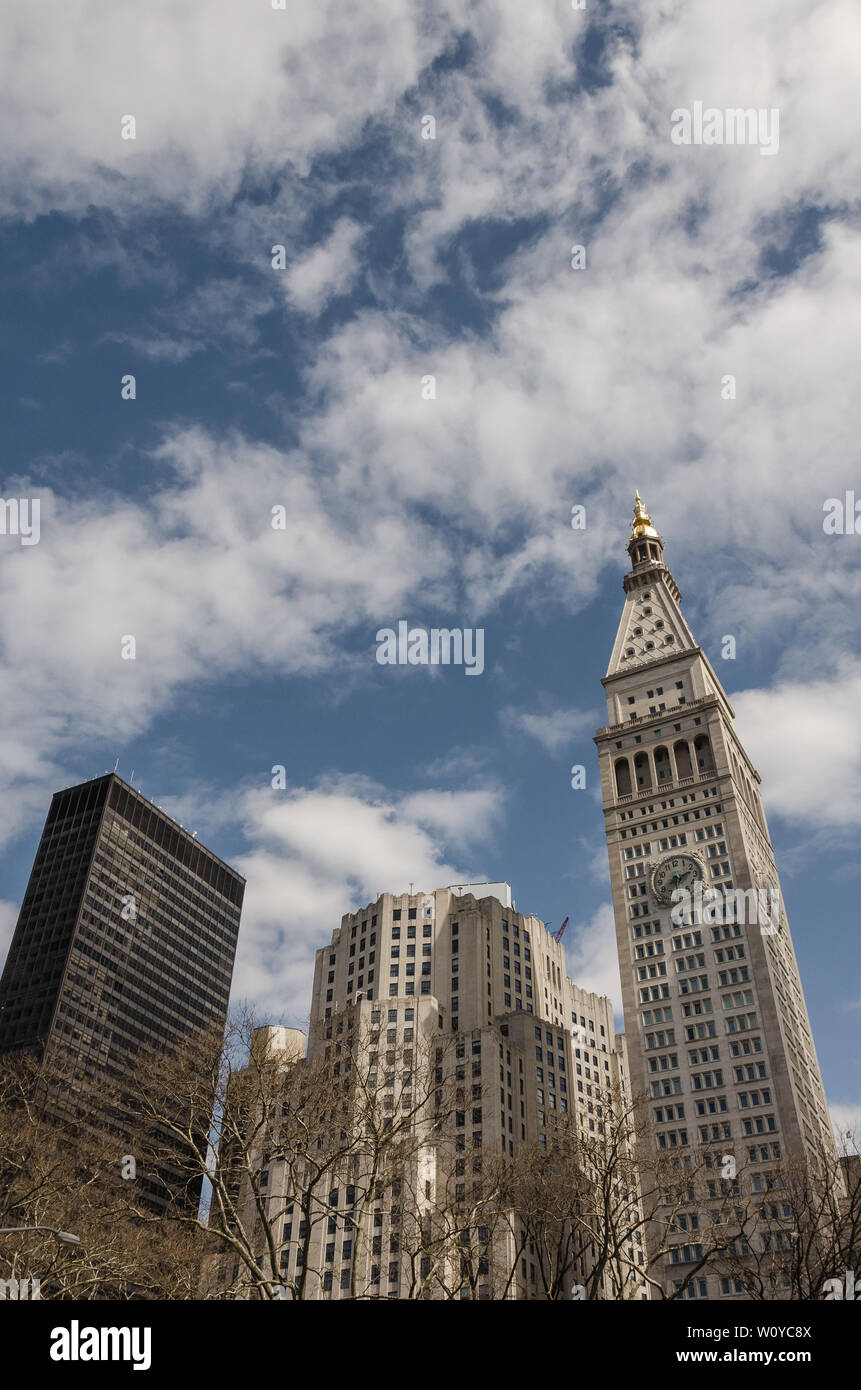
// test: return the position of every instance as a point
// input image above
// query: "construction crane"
(560, 932)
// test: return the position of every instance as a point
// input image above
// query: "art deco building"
(459, 981)
(717, 1030)
(125, 939)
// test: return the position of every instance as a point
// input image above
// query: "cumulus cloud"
(592, 961)
(195, 572)
(326, 271)
(317, 851)
(585, 381)
(555, 730)
(217, 90)
(805, 741)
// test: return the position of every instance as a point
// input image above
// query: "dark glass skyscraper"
(126, 936)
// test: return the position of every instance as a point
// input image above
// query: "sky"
(338, 260)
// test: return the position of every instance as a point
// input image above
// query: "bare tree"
(65, 1176)
(295, 1145)
(797, 1232)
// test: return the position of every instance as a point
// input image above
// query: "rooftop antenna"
(411, 890)
(116, 764)
(132, 778)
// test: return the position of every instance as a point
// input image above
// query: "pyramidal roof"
(652, 626)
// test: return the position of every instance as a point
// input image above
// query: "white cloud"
(220, 311)
(159, 347)
(8, 918)
(587, 381)
(846, 1119)
(316, 852)
(805, 740)
(592, 961)
(555, 730)
(465, 816)
(217, 89)
(196, 573)
(326, 271)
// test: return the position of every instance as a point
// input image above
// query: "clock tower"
(718, 1034)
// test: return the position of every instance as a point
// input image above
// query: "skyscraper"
(719, 1038)
(417, 992)
(125, 939)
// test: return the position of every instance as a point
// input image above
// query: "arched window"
(663, 770)
(703, 753)
(682, 753)
(623, 777)
(642, 772)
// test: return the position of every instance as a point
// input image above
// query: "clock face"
(677, 871)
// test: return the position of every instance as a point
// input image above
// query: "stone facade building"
(718, 1033)
(452, 989)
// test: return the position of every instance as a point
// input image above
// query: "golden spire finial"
(642, 525)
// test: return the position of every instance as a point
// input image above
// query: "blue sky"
(301, 387)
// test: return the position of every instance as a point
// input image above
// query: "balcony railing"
(667, 785)
(652, 718)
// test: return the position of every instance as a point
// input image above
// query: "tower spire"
(645, 546)
(652, 626)
(642, 524)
